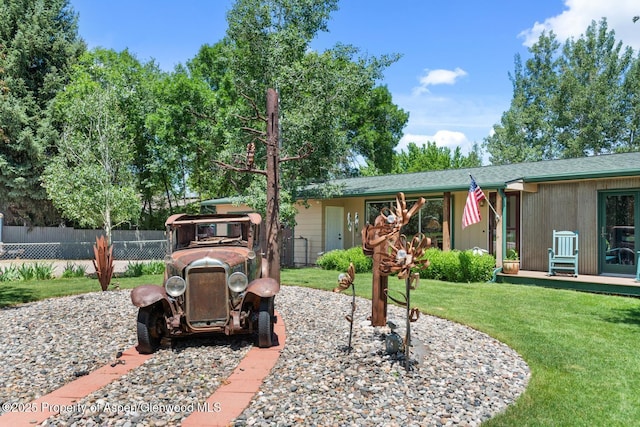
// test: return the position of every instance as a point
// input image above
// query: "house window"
(428, 220)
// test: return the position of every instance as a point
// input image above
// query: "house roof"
(490, 177)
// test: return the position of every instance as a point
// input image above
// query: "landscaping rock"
(465, 377)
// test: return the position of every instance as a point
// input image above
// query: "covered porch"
(615, 285)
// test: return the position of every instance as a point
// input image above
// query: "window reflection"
(428, 220)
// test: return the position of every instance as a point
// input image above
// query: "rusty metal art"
(393, 254)
(345, 281)
(103, 261)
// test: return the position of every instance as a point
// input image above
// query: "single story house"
(598, 197)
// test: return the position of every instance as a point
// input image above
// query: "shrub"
(43, 271)
(9, 274)
(26, 272)
(339, 260)
(477, 268)
(73, 270)
(458, 266)
(443, 265)
(134, 269)
(450, 266)
(137, 269)
(153, 267)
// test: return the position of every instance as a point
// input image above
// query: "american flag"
(471, 214)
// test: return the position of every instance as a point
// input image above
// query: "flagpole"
(485, 197)
(494, 211)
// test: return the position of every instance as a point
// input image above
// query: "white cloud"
(579, 14)
(442, 138)
(473, 116)
(438, 77)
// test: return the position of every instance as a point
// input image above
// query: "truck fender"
(146, 295)
(264, 287)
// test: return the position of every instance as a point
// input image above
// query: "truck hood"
(229, 255)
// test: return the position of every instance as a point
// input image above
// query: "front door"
(333, 228)
(618, 213)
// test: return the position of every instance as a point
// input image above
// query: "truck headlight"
(175, 286)
(237, 282)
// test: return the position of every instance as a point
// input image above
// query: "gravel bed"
(464, 378)
(46, 344)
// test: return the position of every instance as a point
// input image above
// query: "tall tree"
(181, 125)
(134, 86)
(569, 100)
(525, 133)
(592, 72)
(91, 178)
(431, 157)
(268, 46)
(375, 126)
(38, 45)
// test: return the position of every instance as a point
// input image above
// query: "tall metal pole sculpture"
(392, 254)
(273, 187)
(272, 161)
(374, 244)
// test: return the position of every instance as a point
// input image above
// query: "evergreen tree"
(571, 100)
(38, 45)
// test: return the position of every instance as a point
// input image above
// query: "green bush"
(153, 267)
(458, 266)
(443, 265)
(26, 272)
(73, 270)
(134, 269)
(137, 269)
(9, 274)
(43, 271)
(477, 268)
(339, 260)
(35, 271)
(449, 266)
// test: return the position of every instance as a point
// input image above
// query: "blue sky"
(456, 54)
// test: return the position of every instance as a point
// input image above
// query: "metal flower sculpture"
(402, 258)
(392, 254)
(345, 281)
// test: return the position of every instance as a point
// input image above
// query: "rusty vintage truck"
(214, 283)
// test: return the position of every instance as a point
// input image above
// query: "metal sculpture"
(103, 261)
(345, 281)
(393, 254)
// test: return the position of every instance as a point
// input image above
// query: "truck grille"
(206, 297)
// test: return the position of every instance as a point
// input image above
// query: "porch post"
(446, 214)
(501, 227)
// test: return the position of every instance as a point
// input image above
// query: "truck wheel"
(150, 329)
(265, 323)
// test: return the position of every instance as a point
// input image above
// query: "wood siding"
(565, 206)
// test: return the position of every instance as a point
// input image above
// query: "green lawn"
(12, 293)
(583, 349)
